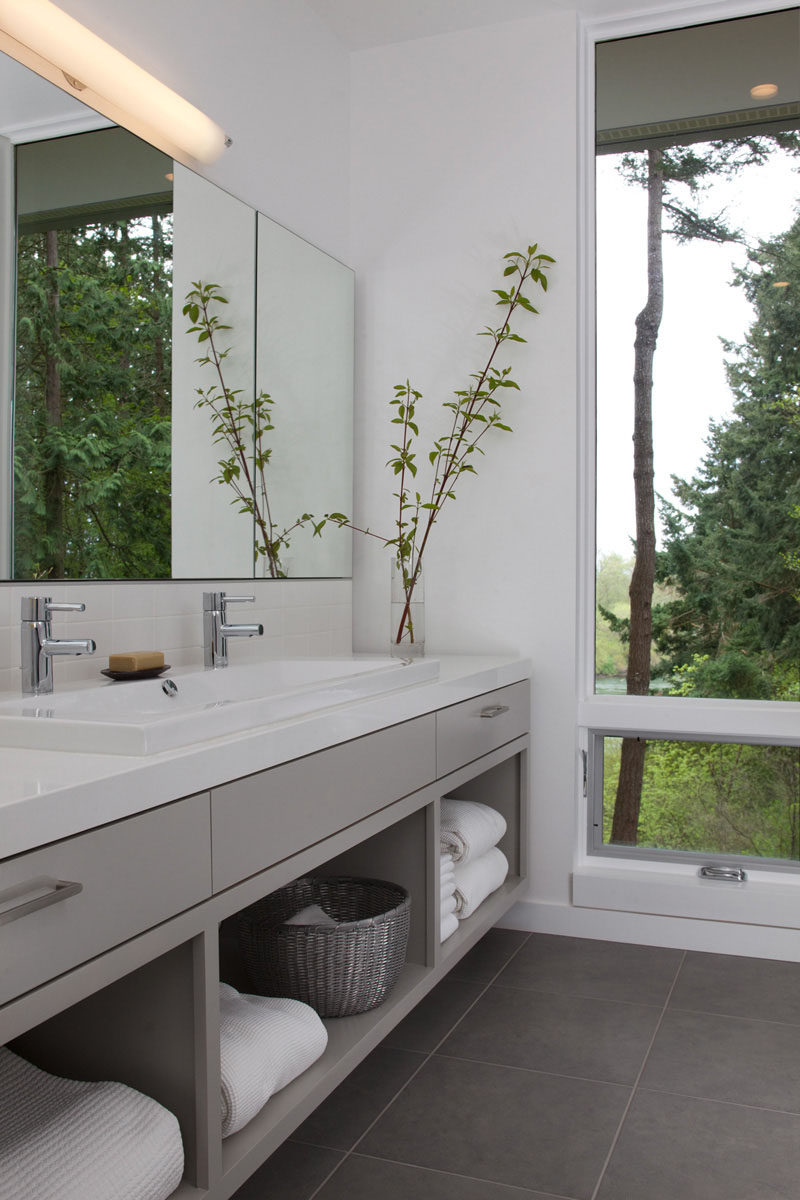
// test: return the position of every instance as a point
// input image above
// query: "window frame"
(598, 716)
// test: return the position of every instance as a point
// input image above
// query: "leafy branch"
(240, 425)
(475, 410)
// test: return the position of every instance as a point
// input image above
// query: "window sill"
(677, 891)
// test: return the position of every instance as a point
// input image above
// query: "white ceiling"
(361, 24)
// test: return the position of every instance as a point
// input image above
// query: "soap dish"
(147, 673)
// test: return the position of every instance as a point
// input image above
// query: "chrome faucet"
(39, 647)
(216, 629)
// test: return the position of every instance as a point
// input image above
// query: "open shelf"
(152, 1020)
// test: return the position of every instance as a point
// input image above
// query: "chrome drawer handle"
(494, 710)
(60, 889)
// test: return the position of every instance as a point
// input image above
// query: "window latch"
(724, 874)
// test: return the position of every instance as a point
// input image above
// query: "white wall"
(464, 147)
(273, 76)
(214, 242)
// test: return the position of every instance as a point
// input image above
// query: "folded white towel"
(448, 905)
(448, 927)
(311, 915)
(265, 1043)
(61, 1139)
(477, 879)
(469, 829)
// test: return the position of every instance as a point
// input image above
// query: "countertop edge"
(50, 795)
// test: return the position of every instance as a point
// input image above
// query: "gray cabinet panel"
(132, 875)
(267, 817)
(466, 731)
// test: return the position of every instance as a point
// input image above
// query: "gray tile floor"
(557, 1067)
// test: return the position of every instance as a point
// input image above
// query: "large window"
(698, 433)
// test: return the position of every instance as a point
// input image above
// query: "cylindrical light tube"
(79, 53)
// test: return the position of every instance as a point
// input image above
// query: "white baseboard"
(715, 937)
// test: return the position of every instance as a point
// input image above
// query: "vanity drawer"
(466, 731)
(72, 900)
(264, 818)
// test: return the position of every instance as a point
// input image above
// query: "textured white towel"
(448, 927)
(469, 829)
(477, 879)
(448, 905)
(265, 1043)
(312, 914)
(65, 1140)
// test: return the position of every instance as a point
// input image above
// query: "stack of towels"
(265, 1043)
(472, 866)
(61, 1139)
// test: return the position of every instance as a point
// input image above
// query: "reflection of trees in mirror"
(475, 410)
(240, 424)
(92, 401)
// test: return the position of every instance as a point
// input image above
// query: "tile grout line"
(515, 1187)
(636, 1081)
(416, 1072)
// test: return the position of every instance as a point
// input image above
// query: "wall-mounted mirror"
(108, 469)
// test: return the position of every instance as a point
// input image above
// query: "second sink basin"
(139, 717)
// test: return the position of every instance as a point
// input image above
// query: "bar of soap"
(136, 660)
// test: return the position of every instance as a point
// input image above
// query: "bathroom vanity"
(121, 879)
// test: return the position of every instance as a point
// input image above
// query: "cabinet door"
(269, 816)
(69, 901)
(475, 727)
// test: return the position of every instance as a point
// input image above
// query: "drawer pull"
(58, 889)
(494, 710)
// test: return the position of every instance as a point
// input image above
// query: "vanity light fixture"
(59, 47)
(764, 91)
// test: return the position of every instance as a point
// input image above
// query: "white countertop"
(52, 794)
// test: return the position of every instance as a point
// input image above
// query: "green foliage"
(714, 797)
(240, 425)
(731, 541)
(475, 410)
(92, 402)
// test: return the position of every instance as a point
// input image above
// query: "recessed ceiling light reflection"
(781, 283)
(764, 91)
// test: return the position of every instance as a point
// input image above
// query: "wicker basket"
(337, 969)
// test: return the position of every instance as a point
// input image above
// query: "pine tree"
(92, 403)
(730, 543)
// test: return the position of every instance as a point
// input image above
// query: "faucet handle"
(216, 601)
(38, 608)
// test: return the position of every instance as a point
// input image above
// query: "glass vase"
(407, 611)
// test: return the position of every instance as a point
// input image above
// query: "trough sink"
(139, 717)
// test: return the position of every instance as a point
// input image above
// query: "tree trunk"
(54, 475)
(625, 824)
